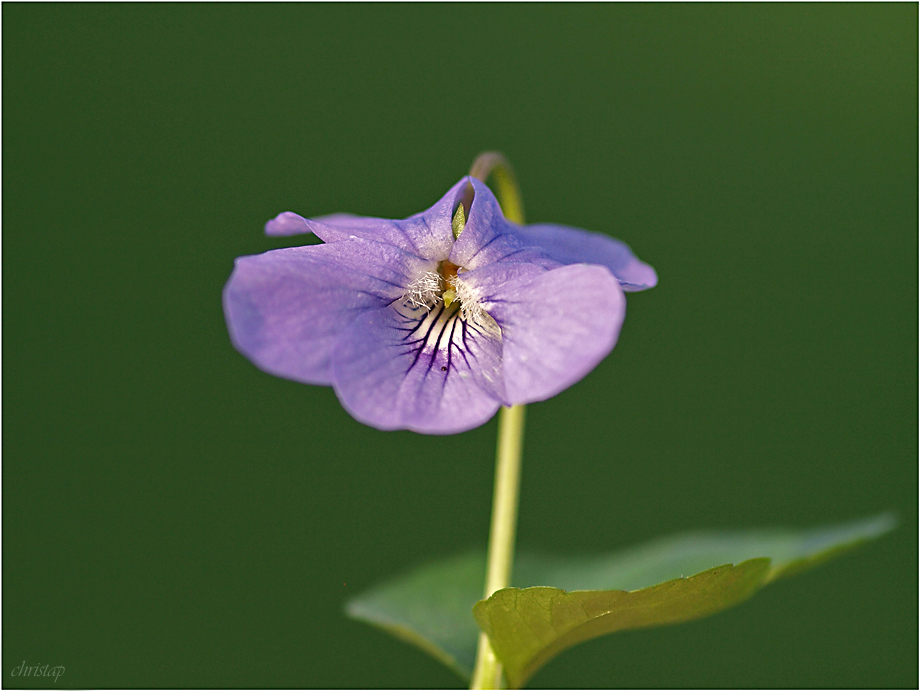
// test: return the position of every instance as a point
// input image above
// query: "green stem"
(487, 674)
(488, 671)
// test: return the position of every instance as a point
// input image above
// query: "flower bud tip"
(458, 222)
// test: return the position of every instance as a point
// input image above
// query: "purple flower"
(432, 322)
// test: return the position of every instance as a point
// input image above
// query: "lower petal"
(429, 372)
(556, 327)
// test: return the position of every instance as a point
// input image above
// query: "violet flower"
(433, 322)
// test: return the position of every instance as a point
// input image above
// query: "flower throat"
(445, 286)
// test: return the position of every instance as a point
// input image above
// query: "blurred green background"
(172, 516)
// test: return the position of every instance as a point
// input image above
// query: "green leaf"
(431, 607)
(531, 626)
(666, 581)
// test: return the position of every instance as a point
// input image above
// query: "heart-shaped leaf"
(531, 626)
(666, 581)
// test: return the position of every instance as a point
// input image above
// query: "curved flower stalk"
(433, 322)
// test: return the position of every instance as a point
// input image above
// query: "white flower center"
(425, 291)
(470, 309)
(445, 287)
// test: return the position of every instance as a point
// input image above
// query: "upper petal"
(426, 234)
(430, 231)
(286, 308)
(287, 223)
(488, 237)
(430, 372)
(556, 327)
(573, 246)
(328, 228)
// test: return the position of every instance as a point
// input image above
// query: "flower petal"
(332, 226)
(426, 234)
(287, 223)
(430, 231)
(286, 308)
(556, 327)
(573, 246)
(489, 238)
(429, 372)
(489, 280)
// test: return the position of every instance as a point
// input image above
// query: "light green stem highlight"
(487, 674)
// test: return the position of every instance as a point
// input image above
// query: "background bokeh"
(172, 516)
